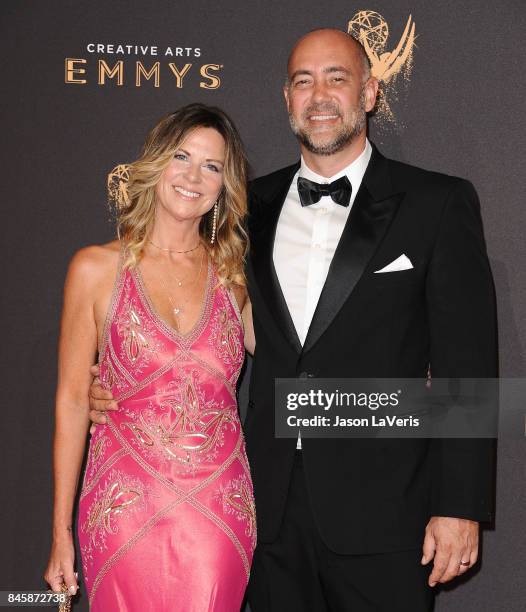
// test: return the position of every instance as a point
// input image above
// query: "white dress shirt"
(306, 239)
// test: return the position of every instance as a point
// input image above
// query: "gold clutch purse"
(65, 606)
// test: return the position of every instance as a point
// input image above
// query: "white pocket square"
(400, 263)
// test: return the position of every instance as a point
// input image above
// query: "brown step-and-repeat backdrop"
(82, 82)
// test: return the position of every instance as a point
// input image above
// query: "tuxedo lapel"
(373, 209)
(262, 237)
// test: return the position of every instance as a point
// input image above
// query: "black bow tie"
(310, 192)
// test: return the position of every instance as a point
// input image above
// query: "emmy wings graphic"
(371, 29)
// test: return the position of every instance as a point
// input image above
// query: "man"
(354, 524)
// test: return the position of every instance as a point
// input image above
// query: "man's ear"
(286, 94)
(371, 91)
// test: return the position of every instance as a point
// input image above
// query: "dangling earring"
(214, 224)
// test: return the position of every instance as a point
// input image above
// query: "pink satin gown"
(166, 519)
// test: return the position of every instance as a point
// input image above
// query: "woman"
(166, 517)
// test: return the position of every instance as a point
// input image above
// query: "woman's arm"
(77, 351)
(245, 307)
(250, 339)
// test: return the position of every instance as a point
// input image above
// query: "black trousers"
(298, 573)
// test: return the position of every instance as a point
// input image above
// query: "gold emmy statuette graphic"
(371, 29)
(117, 185)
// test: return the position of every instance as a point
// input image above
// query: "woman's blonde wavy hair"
(136, 210)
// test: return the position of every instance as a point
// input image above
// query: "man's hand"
(453, 543)
(100, 400)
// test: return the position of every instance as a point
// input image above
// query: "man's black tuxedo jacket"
(368, 495)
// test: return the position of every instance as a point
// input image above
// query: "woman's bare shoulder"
(93, 264)
(240, 294)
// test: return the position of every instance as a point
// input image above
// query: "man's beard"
(345, 134)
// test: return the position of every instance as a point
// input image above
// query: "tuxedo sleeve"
(463, 334)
